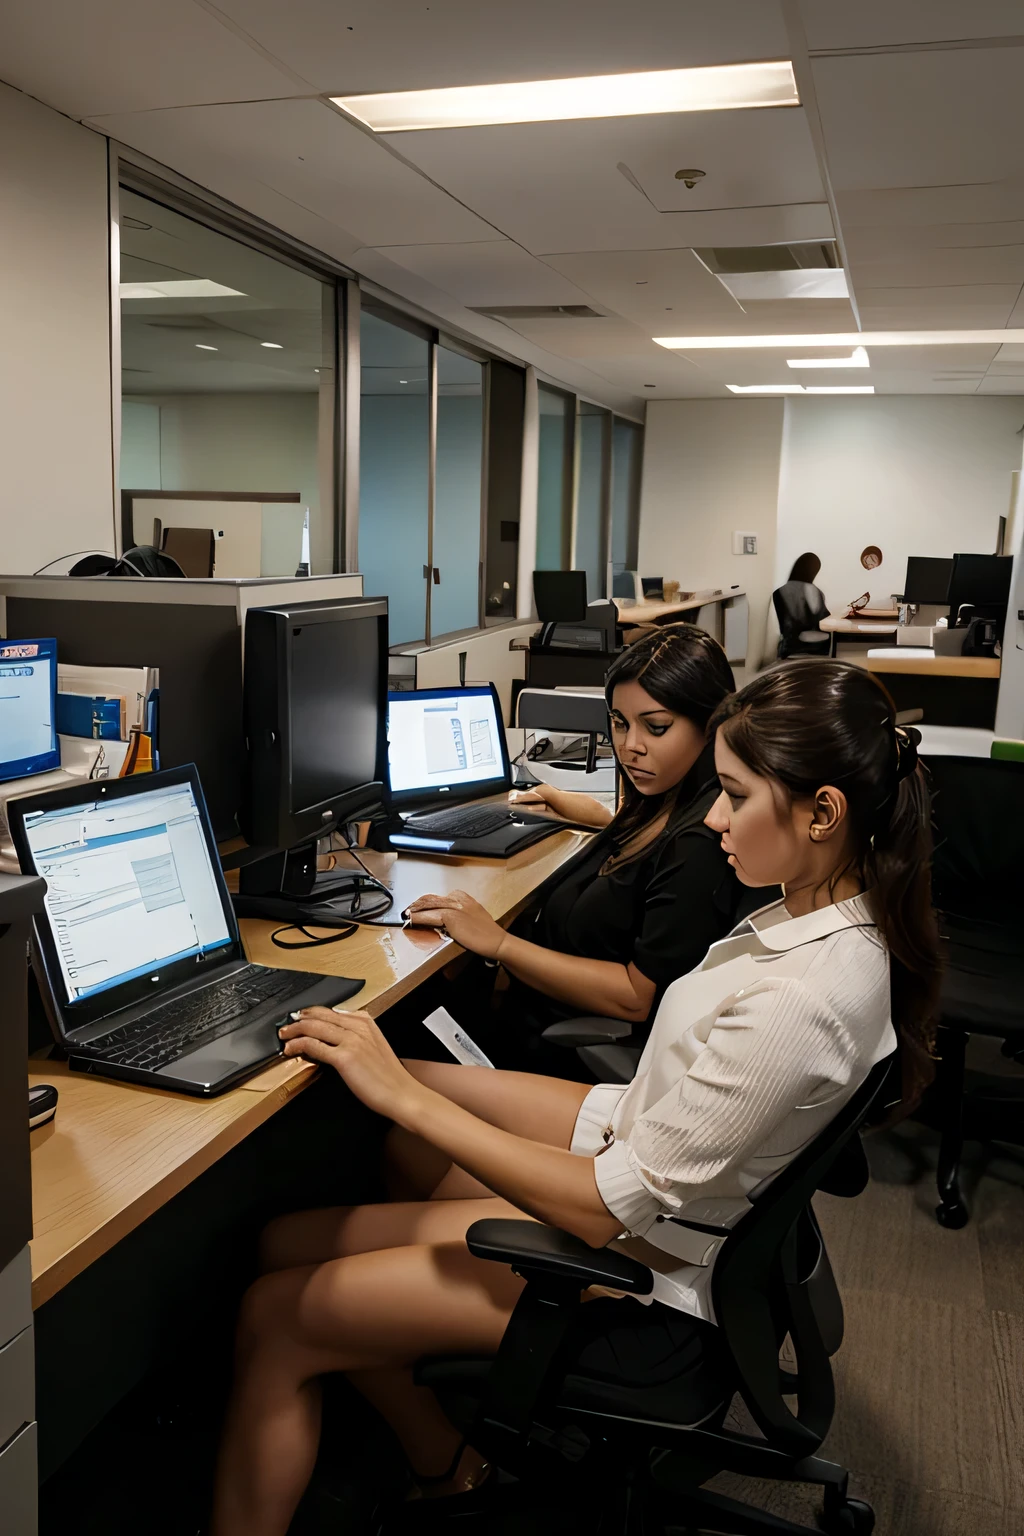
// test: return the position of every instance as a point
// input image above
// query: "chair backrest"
(763, 1286)
(978, 868)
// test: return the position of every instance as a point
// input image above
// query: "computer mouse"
(42, 1104)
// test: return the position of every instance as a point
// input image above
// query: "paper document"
(455, 1039)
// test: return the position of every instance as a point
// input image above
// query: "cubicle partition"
(190, 631)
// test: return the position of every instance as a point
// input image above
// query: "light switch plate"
(744, 543)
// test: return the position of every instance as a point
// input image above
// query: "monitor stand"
(286, 886)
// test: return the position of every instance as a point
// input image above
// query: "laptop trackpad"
(241, 1051)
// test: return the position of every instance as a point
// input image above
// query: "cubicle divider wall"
(495, 656)
(191, 632)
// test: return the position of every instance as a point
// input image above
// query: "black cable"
(310, 941)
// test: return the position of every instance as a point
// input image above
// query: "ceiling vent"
(813, 254)
(538, 311)
(180, 323)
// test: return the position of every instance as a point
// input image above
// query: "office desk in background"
(951, 690)
(724, 614)
(117, 1152)
(859, 631)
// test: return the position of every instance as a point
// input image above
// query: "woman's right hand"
(543, 798)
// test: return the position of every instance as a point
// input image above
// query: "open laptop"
(447, 745)
(137, 951)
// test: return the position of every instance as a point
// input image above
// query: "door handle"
(432, 570)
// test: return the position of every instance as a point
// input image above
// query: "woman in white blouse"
(749, 1058)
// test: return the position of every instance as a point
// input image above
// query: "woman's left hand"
(463, 919)
(353, 1045)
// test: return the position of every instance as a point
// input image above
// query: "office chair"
(976, 882)
(638, 1444)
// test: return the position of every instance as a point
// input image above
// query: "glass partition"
(455, 594)
(394, 471)
(556, 413)
(592, 496)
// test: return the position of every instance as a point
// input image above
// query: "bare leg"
(540, 1108)
(371, 1311)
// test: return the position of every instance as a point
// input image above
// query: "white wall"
(712, 466)
(913, 474)
(56, 491)
(235, 442)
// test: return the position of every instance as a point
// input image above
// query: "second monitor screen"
(335, 677)
(439, 741)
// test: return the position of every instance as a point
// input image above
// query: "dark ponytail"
(810, 723)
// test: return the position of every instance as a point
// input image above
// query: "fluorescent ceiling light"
(800, 389)
(844, 339)
(179, 288)
(766, 389)
(205, 347)
(275, 344)
(858, 358)
(797, 283)
(717, 88)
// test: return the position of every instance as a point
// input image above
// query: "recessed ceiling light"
(840, 389)
(275, 344)
(844, 339)
(179, 288)
(403, 381)
(797, 283)
(716, 88)
(801, 389)
(204, 346)
(766, 389)
(858, 358)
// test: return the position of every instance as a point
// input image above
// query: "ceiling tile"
(309, 154)
(962, 308)
(130, 55)
(486, 272)
(888, 23)
(405, 45)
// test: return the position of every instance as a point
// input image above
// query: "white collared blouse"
(750, 1056)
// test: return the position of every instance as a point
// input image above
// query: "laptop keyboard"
(167, 1032)
(461, 821)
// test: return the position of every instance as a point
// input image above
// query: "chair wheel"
(854, 1518)
(953, 1214)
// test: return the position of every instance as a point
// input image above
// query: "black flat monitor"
(560, 596)
(983, 581)
(927, 579)
(315, 718)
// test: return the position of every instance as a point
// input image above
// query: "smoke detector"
(690, 178)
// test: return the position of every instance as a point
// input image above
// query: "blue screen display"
(28, 708)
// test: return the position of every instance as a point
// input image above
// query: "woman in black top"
(641, 903)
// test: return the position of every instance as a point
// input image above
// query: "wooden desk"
(867, 631)
(117, 1152)
(658, 612)
(951, 690)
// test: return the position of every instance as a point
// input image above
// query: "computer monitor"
(983, 581)
(445, 745)
(927, 580)
(314, 710)
(560, 596)
(28, 708)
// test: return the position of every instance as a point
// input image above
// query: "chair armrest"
(534, 1250)
(587, 1030)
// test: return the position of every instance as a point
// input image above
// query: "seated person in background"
(800, 608)
(639, 905)
(751, 1056)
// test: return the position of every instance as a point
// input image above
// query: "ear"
(828, 814)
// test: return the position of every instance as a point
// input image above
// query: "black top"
(660, 911)
(800, 608)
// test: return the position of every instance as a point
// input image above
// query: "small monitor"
(652, 586)
(927, 579)
(28, 708)
(445, 744)
(560, 596)
(983, 581)
(314, 706)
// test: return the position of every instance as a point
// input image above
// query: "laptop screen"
(129, 886)
(445, 742)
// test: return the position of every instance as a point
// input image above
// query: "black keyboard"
(168, 1031)
(461, 821)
